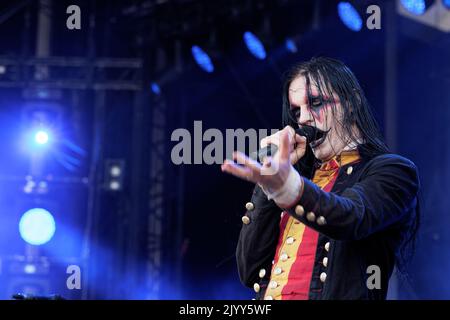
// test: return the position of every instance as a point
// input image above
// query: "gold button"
(278, 271)
(327, 246)
(349, 170)
(245, 220)
(268, 298)
(290, 240)
(321, 221)
(256, 287)
(284, 257)
(249, 206)
(299, 210)
(323, 276)
(325, 262)
(273, 284)
(262, 273)
(311, 216)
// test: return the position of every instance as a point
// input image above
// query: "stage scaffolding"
(42, 72)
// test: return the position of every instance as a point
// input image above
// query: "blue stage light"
(416, 7)
(254, 45)
(446, 3)
(29, 269)
(291, 46)
(156, 88)
(349, 16)
(202, 59)
(41, 137)
(37, 226)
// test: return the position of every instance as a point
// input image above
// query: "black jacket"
(368, 214)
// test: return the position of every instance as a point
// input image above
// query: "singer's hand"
(272, 174)
(297, 143)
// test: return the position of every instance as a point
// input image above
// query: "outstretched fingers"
(245, 168)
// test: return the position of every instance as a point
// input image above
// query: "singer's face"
(320, 115)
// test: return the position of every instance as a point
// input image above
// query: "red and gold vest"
(295, 254)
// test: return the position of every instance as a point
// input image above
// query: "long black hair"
(331, 76)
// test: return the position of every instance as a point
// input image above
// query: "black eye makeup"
(316, 102)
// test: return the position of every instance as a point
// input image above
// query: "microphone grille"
(308, 132)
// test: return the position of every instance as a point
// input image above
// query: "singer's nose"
(306, 117)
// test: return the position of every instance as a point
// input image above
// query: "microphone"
(306, 131)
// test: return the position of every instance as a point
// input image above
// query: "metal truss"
(157, 196)
(72, 73)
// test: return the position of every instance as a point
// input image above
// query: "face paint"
(320, 106)
(309, 108)
(318, 109)
(353, 123)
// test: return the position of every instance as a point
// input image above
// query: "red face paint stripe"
(319, 115)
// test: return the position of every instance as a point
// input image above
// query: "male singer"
(349, 210)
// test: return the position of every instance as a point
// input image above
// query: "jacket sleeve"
(384, 194)
(258, 239)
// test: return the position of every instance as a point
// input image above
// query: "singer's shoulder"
(388, 158)
(392, 161)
